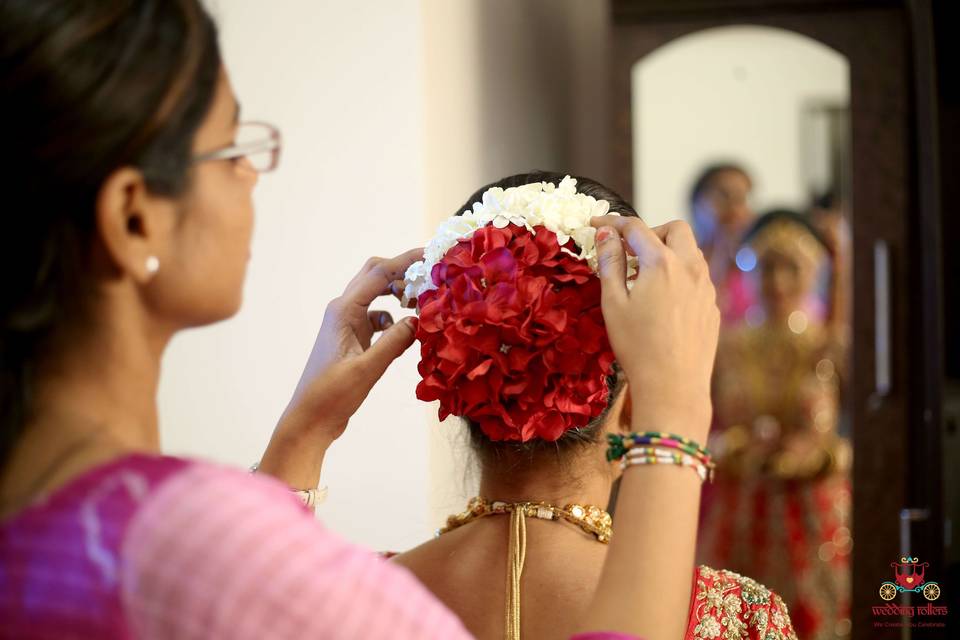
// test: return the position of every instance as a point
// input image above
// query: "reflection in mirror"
(745, 131)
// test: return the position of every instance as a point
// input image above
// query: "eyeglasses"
(728, 197)
(258, 142)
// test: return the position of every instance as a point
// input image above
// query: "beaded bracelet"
(620, 444)
(659, 452)
(664, 454)
(701, 471)
(664, 440)
(653, 447)
(701, 456)
(705, 467)
(639, 458)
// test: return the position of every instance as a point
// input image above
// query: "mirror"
(744, 130)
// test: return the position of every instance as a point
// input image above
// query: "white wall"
(511, 86)
(393, 112)
(343, 82)
(730, 93)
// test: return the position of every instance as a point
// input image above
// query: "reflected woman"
(721, 213)
(779, 509)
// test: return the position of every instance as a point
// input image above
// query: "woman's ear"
(132, 224)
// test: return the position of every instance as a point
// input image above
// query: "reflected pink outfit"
(735, 296)
(160, 547)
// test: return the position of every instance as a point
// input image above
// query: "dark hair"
(781, 215)
(88, 87)
(826, 200)
(589, 433)
(708, 174)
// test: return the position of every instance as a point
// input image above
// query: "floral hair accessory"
(511, 328)
(560, 209)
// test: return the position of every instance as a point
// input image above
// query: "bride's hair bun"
(511, 329)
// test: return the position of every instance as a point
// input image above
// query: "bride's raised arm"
(663, 332)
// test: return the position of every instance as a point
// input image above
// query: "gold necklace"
(591, 519)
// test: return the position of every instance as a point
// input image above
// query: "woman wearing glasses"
(129, 182)
(720, 212)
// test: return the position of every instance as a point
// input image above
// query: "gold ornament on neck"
(591, 519)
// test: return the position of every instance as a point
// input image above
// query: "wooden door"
(893, 396)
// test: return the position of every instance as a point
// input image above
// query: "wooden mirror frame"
(894, 400)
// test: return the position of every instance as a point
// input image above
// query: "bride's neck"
(582, 477)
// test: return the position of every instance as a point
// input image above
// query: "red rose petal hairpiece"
(511, 329)
(512, 337)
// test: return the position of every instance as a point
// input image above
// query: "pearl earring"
(153, 265)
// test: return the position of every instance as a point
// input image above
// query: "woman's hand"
(342, 368)
(664, 330)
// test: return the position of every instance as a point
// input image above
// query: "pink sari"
(159, 547)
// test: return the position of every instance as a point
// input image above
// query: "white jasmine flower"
(559, 208)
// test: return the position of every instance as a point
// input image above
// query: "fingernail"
(411, 322)
(604, 234)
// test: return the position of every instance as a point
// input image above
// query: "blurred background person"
(827, 214)
(721, 213)
(779, 509)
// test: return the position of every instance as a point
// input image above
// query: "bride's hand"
(342, 368)
(664, 334)
(664, 330)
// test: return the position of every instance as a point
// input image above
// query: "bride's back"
(513, 340)
(467, 569)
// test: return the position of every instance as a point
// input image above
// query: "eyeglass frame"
(273, 144)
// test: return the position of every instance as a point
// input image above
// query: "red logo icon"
(908, 575)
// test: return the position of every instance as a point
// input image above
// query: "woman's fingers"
(380, 320)
(396, 289)
(388, 348)
(678, 236)
(648, 243)
(641, 241)
(612, 263)
(377, 275)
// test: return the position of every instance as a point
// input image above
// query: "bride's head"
(511, 329)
